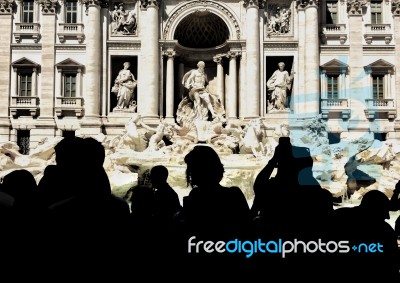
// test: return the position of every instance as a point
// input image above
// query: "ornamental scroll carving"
(304, 3)
(6, 6)
(396, 7)
(149, 3)
(48, 6)
(259, 3)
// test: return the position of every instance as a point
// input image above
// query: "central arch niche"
(201, 29)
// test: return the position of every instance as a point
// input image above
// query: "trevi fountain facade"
(152, 79)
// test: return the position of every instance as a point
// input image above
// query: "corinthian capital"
(254, 3)
(354, 7)
(150, 3)
(91, 2)
(305, 3)
(48, 6)
(396, 7)
(6, 6)
(169, 53)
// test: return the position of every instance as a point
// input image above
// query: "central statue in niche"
(199, 103)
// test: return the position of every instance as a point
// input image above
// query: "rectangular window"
(71, 12)
(69, 85)
(25, 84)
(376, 12)
(331, 12)
(23, 140)
(68, 134)
(377, 87)
(27, 12)
(333, 89)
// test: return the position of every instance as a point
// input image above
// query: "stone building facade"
(60, 58)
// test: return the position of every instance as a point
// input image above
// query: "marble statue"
(253, 138)
(123, 21)
(278, 85)
(199, 104)
(124, 87)
(278, 21)
(133, 137)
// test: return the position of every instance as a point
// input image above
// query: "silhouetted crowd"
(71, 226)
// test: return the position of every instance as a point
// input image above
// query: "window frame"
(71, 13)
(29, 11)
(378, 86)
(376, 12)
(22, 91)
(328, 11)
(330, 84)
(65, 75)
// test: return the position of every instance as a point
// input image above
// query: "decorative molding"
(280, 45)
(70, 47)
(118, 45)
(204, 4)
(354, 7)
(6, 6)
(28, 46)
(48, 6)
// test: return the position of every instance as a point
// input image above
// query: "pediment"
(379, 66)
(24, 63)
(69, 64)
(335, 66)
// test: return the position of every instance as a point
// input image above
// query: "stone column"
(311, 58)
(48, 31)
(169, 100)
(148, 82)
(58, 78)
(34, 82)
(253, 58)
(299, 99)
(396, 32)
(78, 83)
(5, 59)
(232, 97)
(181, 74)
(220, 78)
(243, 84)
(92, 93)
(324, 93)
(358, 93)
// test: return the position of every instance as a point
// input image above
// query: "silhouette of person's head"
(94, 153)
(203, 166)
(375, 204)
(67, 151)
(158, 175)
(20, 184)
